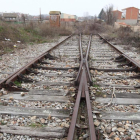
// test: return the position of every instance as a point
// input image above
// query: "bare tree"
(110, 18)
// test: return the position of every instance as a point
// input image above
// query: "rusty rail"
(24, 69)
(123, 55)
(83, 92)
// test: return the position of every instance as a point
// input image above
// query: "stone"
(78, 125)
(97, 123)
(117, 138)
(92, 71)
(114, 128)
(108, 129)
(85, 136)
(102, 127)
(42, 120)
(67, 125)
(133, 135)
(58, 120)
(105, 135)
(11, 98)
(121, 129)
(22, 94)
(112, 135)
(33, 118)
(82, 117)
(84, 127)
(104, 96)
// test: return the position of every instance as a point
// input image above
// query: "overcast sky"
(74, 7)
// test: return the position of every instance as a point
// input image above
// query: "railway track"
(115, 91)
(81, 83)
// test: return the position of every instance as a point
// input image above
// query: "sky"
(74, 7)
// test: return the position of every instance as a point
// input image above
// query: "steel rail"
(23, 70)
(86, 60)
(81, 63)
(83, 92)
(134, 62)
(75, 111)
(89, 110)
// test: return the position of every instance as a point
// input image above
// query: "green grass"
(8, 50)
(34, 125)
(95, 85)
(17, 83)
(2, 123)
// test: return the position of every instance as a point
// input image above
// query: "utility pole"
(40, 14)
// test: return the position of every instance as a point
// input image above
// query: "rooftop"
(54, 12)
(117, 11)
(131, 7)
(10, 15)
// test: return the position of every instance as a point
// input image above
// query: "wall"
(132, 13)
(117, 14)
(129, 21)
(63, 15)
(64, 19)
(54, 20)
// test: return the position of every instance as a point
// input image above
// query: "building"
(117, 14)
(11, 17)
(55, 18)
(67, 17)
(130, 16)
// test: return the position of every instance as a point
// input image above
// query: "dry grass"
(90, 27)
(27, 33)
(124, 36)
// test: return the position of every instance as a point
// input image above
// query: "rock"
(92, 71)
(67, 125)
(11, 98)
(94, 116)
(85, 136)
(5, 103)
(58, 120)
(104, 96)
(63, 124)
(84, 127)
(97, 123)
(1, 93)
(99, 107)
(116, 138)
(42, 120)
(105, 135)
(70, 70)
(22, 94)
(96, 112)
(133, 135)
(82, 117)
(78, 125)
(5, 92)
(102, 127)
(114, 128)
(108, 129)
(121, 129)
(49, 117)
(120, 124)
(112, 135)
(59, 73)
(33, 118)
